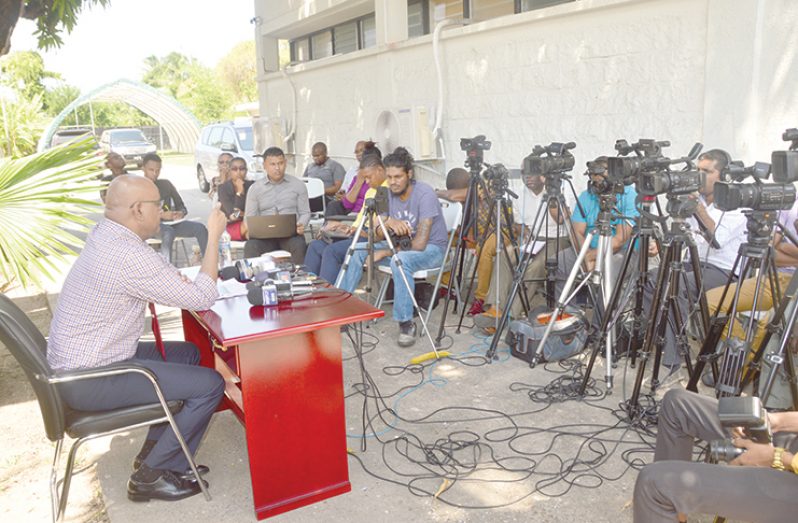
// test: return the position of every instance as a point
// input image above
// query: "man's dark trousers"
(180, 378)
(296, 245)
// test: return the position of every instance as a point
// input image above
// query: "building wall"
(592, 71)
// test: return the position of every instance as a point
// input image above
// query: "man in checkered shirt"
(100, 317)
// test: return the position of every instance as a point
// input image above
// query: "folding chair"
(452, 215)
(315, 190)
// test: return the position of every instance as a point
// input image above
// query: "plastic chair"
(29, 348)
(452, 215)
(315, 190)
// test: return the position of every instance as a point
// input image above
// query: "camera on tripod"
(744, 412)
(756, 196)
(626, 170)
(651, 170)
(557, 159)
(785, 163)
(497, 176)
(379, 203)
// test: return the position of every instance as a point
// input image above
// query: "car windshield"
(245, 137)
(133, 135)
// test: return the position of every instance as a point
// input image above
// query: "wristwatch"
(777, 464)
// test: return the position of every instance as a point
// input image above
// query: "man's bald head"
(134, 202)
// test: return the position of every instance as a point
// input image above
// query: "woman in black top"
(233, 198)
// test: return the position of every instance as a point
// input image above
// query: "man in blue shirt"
(585, 218)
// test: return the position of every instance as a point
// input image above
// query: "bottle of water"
(225, 252)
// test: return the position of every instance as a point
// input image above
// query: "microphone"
(271, 292)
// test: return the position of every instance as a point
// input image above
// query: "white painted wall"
(717, 71)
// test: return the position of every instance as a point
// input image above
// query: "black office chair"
(29, 347)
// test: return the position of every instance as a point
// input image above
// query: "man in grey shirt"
(327, 170)
(277, 193)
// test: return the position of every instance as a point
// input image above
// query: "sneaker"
(487, 320)
(407, 333)
(477, 307)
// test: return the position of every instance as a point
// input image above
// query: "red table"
(284, 381)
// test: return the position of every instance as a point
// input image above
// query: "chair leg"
(62, 501)
(54, 480)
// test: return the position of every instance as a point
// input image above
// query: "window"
(345, 38)
(417, 18)
(446, 9)
(368, 32)
(228, 138)
(531, 5)
(487, 9)
(321, 45)
(215, 137)
(300, 50)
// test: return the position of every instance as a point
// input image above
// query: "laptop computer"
(274, 226)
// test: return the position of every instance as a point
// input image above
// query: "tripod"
(665, 303)
(499, 209)
(373, 213)
(553, 196)
(599, 277)
(756, 254)
(645, 230)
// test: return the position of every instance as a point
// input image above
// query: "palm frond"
(42, 200)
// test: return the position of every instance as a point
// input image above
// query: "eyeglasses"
(159, 203)
(238, 168)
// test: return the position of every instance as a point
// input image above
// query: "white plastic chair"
(452, 215)
(315, 189)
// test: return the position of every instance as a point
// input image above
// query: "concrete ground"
(452, 440)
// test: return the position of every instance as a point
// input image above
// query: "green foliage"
(23, 123)
(236, 72)
(53, 16)
(24, 72)
(191, 84)
(42, 203)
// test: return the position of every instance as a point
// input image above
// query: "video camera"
(379, 203)
(557, 159)
(757, 196)
(746, 412)
(498, 176)
(474, 147)
(785, 163)
(651, 170)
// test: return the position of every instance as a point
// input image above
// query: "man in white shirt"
(551, 239)
(728, 229)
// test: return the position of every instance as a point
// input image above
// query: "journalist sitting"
(325, 257)
(414, 212)
(233, 199)
(100, 318)
(759, 485)
(173, 222)
(585, 218)
(353, 193)
(552, 238)
(728, 230)
(786, 259)
(278, 193)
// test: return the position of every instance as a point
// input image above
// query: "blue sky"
(112, 43)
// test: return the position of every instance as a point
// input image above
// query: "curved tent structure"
(180, 125)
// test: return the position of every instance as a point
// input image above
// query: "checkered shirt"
(100, 313)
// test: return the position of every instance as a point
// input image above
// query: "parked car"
(63, 136)
(233, 137)
(130, 143)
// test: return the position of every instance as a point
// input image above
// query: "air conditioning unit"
(410, 128)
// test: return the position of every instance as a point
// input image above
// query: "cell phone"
(236, 214)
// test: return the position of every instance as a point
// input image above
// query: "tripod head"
(759, 227)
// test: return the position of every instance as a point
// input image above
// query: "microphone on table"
(272, 292)
(254, 269)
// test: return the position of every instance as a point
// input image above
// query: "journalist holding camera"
(760, 483)
(419, 235)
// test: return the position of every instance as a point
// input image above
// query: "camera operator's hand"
(755, 455)
(401, 228)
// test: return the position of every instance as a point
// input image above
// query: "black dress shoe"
(188, 475)
(168, 487)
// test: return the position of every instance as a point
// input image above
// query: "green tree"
(22, 122)
(45, 192)
(237, 72)
(168, 73)
(52, 17)
(25, 73)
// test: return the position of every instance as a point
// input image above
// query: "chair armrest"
(114, 369)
